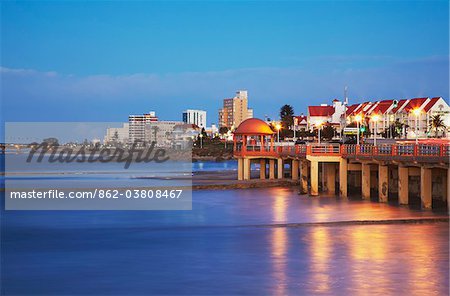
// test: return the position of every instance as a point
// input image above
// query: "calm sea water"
(255, 241)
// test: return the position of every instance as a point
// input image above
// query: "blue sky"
(100, 61)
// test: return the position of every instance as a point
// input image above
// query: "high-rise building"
(197, 117)
(235, 110)
(137, 125)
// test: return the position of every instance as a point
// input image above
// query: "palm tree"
(436, 123)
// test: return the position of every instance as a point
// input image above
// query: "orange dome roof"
(253, 126)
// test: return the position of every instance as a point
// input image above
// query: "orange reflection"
(280, 206)
(424, 274)
(321, 250)
(279, 243)
(279, 251)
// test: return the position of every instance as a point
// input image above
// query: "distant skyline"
(100, 61)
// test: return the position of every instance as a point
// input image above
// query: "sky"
(101, 61)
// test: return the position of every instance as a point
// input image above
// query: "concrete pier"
(280, 168)
(425, 188)
(314, 178)
(271, 169)
(247, 171)
(294, 169)
(330, 170)
(262, 169)
(365, 181)
(240, 168)
(343, 178)
(304, 177)
(403, 185)
(383, 183)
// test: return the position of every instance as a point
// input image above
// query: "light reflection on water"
(232, 242)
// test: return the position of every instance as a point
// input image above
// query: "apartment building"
(235, 110)
(137, 123)
(197, 117)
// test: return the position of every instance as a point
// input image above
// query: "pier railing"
(422, 152)
(399, 152)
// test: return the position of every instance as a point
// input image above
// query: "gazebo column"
(294, 168)
(240, 168)
(262, 169)
(271, 169)
(280, 168)
(247, 168)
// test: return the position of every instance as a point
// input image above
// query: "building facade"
(117, 134)
(414, 115)
(137, 123)
(197, 117)
(235, 110)
(161, 132)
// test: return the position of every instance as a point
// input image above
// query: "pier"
(384, 172)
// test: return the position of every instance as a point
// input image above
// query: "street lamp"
(201, 141)
(278, 127)
(416, 112)
(319, 124)
(375, 119)
(358, 119)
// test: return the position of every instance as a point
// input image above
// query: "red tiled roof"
(413, 104)
(320, 110)
(399, 105)
(382, 107)
(351, 108)
(430, 104)
(301, 118)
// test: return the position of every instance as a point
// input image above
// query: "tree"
(394, 130)
(51, 141)
(115, 138)
(437, 123)
(155, 132)
(287, 116)
(328, 132)
(223, 130)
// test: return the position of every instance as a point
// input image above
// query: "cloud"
(34, 95)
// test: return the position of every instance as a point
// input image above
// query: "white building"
(137, 125)
(197, 117)
(319, 115)
(161, 132)
(410, 112)
(117, 134)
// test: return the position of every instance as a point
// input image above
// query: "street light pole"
(357, 133)
(320, 127)
(416, 112)
(278, 127)
(375, 119)
(417, 127)
(358, 119)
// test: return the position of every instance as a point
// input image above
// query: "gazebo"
(253, 137)
(253, 141)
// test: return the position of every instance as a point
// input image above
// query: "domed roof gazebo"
(253, 137)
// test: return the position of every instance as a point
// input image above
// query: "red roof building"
(322, 111)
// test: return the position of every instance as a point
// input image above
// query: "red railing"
(400, 151)
(413, 152)
(323, 150)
